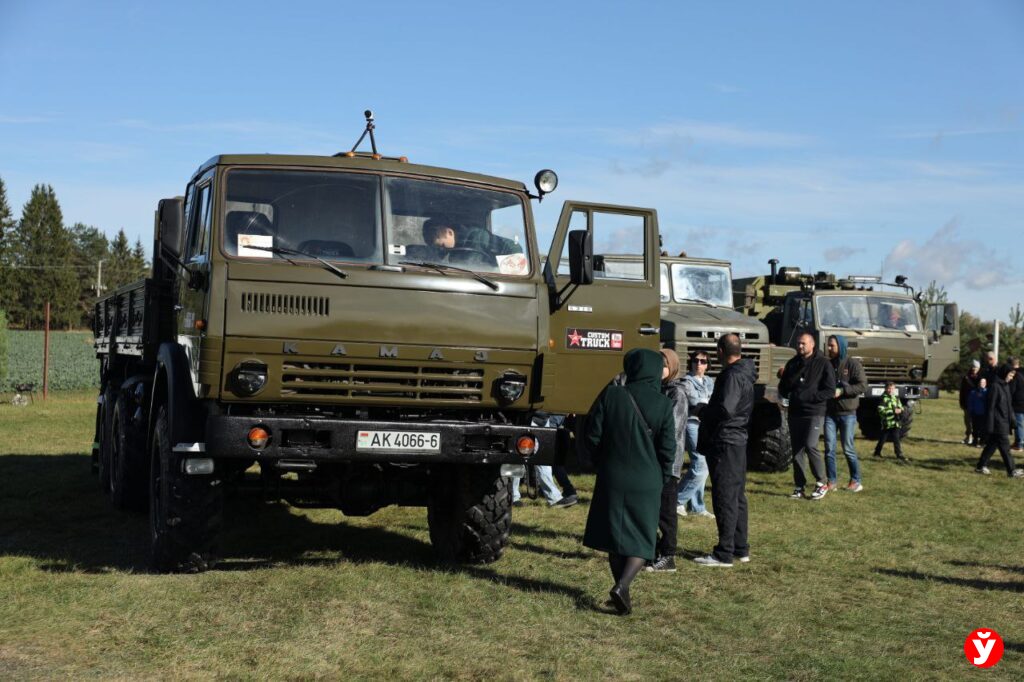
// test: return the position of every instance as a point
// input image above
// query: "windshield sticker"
(513, 264)
(247, 240)
(397, 249)
(593, 339)
(910, 327)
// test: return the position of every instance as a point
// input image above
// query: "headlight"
(510, 387)
(917, 374)
(248, 378)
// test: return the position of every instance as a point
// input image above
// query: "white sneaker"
(681, 509)
(706, 514)
(710, 560)
(742, 559)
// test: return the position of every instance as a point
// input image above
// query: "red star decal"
(574, 338)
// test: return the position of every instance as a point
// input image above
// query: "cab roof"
(361, 162)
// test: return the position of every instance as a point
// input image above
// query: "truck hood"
(689, 318)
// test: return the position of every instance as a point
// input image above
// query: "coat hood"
(746, 367)
(843, 347)
(643, 366)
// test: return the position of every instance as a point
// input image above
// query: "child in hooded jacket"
(890, 410)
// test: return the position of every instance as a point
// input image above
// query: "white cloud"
(947, 256)
(841, 253)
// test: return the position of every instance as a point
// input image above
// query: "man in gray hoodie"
(841, 412)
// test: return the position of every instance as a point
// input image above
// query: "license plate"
(398, 441)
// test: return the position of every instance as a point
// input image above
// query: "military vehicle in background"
(303, 333)
(895, 335)
(696, 309)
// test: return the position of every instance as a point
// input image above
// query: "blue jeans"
(1020, 429)
(545, 484)
(691, 488)
(846, 425)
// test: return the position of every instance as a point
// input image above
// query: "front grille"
(285, 304)
(366, 380)
(886, 371)
(714, 366)
(745, 336)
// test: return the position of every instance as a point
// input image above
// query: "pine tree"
(44, 251)
(6, 250)
(121, 271)
(139, 263)
(90, 248)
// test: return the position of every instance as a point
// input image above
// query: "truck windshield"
(476, 229)
(868, 312)
(337, 216)
(708, 283)
(330, 215)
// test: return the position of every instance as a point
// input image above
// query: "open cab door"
(943, 325)
(598, 311)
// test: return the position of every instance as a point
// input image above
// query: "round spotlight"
(546, 181)
(248, 378)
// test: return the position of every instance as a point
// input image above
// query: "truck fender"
(172, 386)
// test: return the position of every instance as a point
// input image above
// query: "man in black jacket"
(808, 381)
(1017, 402)
(998, 414)
(723, 440)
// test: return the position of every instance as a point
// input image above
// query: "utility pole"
(99, 277)
(995, 340)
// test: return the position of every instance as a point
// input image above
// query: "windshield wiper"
(696, 300)
(441, 267)
(295, 252)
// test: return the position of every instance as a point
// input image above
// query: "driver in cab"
(894, 320)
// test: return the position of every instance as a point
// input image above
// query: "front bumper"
(334, 440)
(906, 391)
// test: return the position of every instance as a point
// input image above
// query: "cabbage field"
(73, 363)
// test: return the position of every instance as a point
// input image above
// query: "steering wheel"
(468, 256)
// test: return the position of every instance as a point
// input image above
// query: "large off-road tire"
(185, 512)
(129, 461)
(106, 422)
(769, 447)
(871, 423)
(470, 513)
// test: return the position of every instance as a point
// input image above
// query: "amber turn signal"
(526, 445)
(258, 437)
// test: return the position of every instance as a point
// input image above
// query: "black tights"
(624, 568)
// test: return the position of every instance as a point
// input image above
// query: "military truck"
(896, 335)
(301, 333)
(696, 309)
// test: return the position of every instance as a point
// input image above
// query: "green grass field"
(880, 585)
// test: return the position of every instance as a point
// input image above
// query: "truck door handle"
(648, 330)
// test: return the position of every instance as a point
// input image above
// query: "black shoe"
(903, 460)
(620, 600)
(566, 501)
(878, 455)
(517, 503)
(663, 564)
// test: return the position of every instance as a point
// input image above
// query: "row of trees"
(42, 259)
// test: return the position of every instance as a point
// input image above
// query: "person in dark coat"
(809, 382)
(968, 383)
(632, 434)
(668, 522)
(723, 439)
(841, 411)
(1017, 402)
(998, 415)
(976, 402)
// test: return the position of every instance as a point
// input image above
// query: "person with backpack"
(631, 432)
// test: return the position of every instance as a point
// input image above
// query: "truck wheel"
(106, 421)
(868, 419)
(128, 460)
(470, 513)
(185, 512)
(770, 448)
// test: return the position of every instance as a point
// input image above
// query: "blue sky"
(844, 136)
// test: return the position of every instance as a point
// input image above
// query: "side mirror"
(581, 257)
(170, 225)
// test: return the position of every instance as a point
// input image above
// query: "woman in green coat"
(633, 455)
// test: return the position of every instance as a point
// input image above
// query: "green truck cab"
(696, 309)
(895, 335)
(312, 316)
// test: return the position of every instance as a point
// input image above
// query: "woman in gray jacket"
(698, 387)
